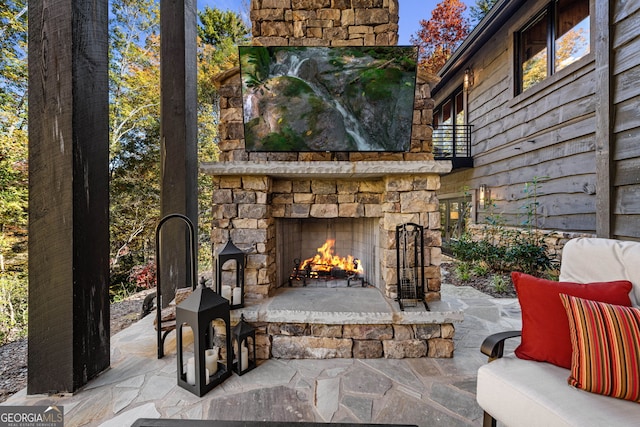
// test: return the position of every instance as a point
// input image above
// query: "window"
(450, 111)
(453, 218)
(556, 37)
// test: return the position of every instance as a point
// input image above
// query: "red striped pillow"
(606, 347)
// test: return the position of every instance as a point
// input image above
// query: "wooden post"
(179, 149)
(68, 194)
(604, 120)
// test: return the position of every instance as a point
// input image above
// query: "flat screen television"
(328, 98)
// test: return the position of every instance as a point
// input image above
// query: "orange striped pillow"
(605, 339)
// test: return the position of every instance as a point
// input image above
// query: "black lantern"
(244, 342)
(199, 311)
(235, 294)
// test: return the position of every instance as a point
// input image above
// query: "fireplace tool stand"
(410, 265)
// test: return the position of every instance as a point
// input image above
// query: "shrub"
(499, 284)
(480, 269)
(463, 270)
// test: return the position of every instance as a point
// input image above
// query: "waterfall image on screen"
(328, 98)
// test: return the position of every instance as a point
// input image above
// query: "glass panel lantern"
(203, 370)
(244, 344)
(230, 289)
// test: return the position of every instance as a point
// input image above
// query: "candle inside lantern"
(237, 295)
(211, 360)
(226, 292)
(191, 372)
(244, 357)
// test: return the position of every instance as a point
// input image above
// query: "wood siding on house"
(577, 131)
(625, 41)
(546, 132)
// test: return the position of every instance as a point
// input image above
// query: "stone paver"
(420, 391)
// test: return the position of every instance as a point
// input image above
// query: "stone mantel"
(326, 169)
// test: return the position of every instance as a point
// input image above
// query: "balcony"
(453, 143)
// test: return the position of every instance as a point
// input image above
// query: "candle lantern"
(202, 372)
(235, 294)
(244, 341)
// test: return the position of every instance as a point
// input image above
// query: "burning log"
(326, 265)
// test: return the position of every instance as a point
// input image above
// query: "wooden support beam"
(68, 194)
(179, 148)
(604, 117)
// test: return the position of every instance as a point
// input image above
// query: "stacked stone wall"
(325, 22)
(245, 209)
(320, 341)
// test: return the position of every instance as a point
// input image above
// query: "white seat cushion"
(525, 393)
(586, 260)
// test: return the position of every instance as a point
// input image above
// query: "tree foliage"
(13, 169)
(134, 79)
(442, 34)
(217, 26)
(13, 114)
(480, 10)
(135, 125)
(134, 120)
(13, 128)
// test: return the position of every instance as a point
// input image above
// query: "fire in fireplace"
(326, 266)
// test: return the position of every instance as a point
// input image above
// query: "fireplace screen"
(339, 252)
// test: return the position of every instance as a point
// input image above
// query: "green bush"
(463, 271)
(499, 284)
(480, 269)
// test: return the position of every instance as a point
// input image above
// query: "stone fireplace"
(280, 207)
(279, 211)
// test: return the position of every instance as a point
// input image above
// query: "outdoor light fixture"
(483, 196)
(203, 371)
(468, 78)
(244, 343)
(234, 294)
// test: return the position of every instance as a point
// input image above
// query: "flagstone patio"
(420, 391)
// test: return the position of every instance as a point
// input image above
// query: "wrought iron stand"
(410, 265)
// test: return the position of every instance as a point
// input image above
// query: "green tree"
(13, 169)
(134, 79)
(13, 115)
(217, 26)
(135, 125)
(480, 10)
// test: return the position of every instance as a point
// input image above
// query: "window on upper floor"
(451, 133)
(553, 39)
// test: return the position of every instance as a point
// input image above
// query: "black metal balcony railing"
(453, 143)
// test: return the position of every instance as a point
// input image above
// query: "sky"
(411, 12)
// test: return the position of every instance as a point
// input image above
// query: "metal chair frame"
(192, 255)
